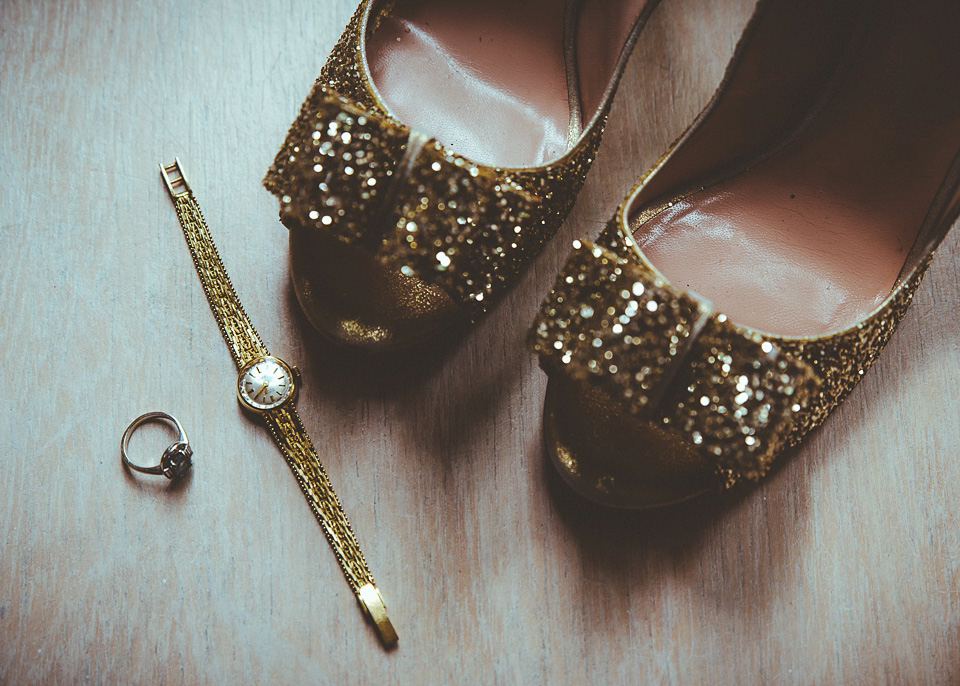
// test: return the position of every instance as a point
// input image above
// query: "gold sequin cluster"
(421, 210)
(335, 167)
(840, 360)
(345, 70)
(466, 227)
(737, 397)
(605, 321)
(460, 226)
(613, 321)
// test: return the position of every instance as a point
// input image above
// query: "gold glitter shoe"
(395, 234)
(751, 278)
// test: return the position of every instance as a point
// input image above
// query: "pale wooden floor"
(844, 567)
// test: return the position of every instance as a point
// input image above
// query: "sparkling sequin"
(448, 221)
(840, 360)
(312, 176)
(819, 371)
(451, 217)
(752, 390)
(641, 343)
(669, 358)
(471, 229)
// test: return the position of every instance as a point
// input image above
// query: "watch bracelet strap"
(242, 339)
(287, 430)
(297, 448)
(284, 422)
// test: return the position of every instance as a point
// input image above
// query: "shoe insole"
(813, 238)
(488, 79)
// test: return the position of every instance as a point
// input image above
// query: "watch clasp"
(175, 178)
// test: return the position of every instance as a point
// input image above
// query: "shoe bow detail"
(365, 178)
(670, 358)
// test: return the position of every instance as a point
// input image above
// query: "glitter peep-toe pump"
(443, 144)
(748, 282)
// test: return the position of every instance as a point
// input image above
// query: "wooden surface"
(843, 567)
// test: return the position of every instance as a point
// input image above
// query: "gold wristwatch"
(267, 386)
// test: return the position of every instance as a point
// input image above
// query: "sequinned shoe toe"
(442, 146)
(748, 282)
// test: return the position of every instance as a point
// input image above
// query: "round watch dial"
(266, 384)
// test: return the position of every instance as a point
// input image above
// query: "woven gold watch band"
(244, 342)
(286, 428)
(283, 422)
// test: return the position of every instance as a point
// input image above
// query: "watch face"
(266, 384)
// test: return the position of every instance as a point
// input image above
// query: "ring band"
(176, 459)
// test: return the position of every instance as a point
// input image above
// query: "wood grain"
(843, 567)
